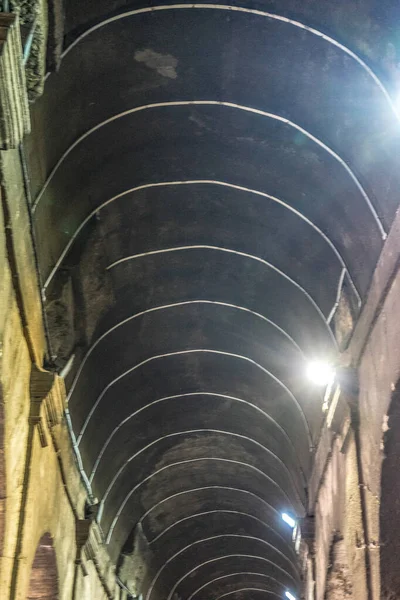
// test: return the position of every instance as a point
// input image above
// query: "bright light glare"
(320, 373)
(289, 596)
(291, 522)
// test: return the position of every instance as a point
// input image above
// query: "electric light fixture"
(289, 520)
(320, 373)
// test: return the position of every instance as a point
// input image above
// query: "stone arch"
(389, 517)
(43, 582)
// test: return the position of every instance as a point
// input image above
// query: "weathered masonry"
(199, 300)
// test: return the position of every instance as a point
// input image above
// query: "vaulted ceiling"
(212, 186)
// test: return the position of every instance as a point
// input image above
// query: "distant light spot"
(288, 519)
(164, 64)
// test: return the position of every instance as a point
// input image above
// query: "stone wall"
(41, 483)
(339, 581)
(379, 373)
(345, 492)
(338, 547)
(390, 504)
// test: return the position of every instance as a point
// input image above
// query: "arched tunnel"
(211, 189)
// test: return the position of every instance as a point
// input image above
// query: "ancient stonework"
(33, 21)
(339, 585)
(14, 110)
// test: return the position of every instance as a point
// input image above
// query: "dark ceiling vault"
(212, 188)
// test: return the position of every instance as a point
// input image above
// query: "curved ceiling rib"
(209, 221)
(287, 206)
(201, 350)
(184, 462)
(216, 511)
(178, 433)
(356, 242)
(230, 575)
(236, 252)
(227, 105)
(230, 490)
(256, 417)
(242, 9)
(291, 501)
(211, 394)
(256, 558)
(196, 431)
(167, 306)
(156, 577)
(206, 488)
(248, 589)
(224, 521)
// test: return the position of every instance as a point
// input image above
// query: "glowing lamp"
(288, 519)
(320, 373)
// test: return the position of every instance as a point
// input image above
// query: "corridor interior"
(210, 189)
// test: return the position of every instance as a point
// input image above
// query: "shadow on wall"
(43, 583)
(390, 503)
